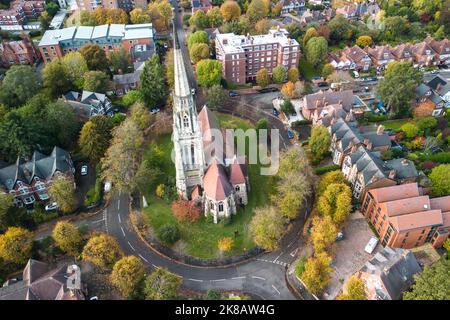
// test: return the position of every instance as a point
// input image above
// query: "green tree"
(20, 84)
(262, 77)
(327, 70)
(153, 87)
(131, 97)
(323, 233)
(197, 37)
(230, 10)
(316, 50)
(266, 227)
(336, 202)
(426, 6)
(293, 75)
(295, 160)
(162, 285)
(440, 180)
(45, 19)
(199, 20)
(354, 289)
(120, 60)
(262, 124)
(209, 72)
(95, 137)
(139, 15)
(6, 202)
(397, 88)
(432, 284)
(56, 78)
(15, 245)
(319, 141)
(67, 237)
(165, 11)
(95, 57)
(97, 81)
(257, 10)
(65, 123)
(215, 96)
(317, 272)
(51, 8)
(292, 191)
(410, 130)
(309, 34)
(339, 27)
(62, 192)
(279, 74)
(75, 66)
(103, 251)
(215, 18)
(127, 273)
(199, 51)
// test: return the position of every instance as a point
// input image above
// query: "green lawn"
(395, 124)
(200, 238)
(307, 70)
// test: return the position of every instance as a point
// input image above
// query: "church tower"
(187, 136)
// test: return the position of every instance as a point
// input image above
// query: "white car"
(370, 246)
(51, 206)
(356, 74)
(84, 170)
(155, 110)
(193, 91)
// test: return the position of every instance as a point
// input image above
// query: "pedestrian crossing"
(281, 263)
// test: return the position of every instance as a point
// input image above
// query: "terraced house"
(28, 179)
(136, 39)
(21, 11)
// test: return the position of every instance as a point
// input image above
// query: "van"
(370, 246)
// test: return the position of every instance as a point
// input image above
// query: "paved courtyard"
(350, 255)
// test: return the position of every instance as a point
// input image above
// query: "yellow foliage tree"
(323, 233)
(230, 10)
(103, 251)
(288, 90)
(225, 244)
(15, 245)
(127, 273)
(316, 275)
(354, 289)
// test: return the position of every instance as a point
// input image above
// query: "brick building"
(136, 39)
(204, 5)
(17, 52)
(20, 11)
(127, 5)
(243, 56)
(404, 218)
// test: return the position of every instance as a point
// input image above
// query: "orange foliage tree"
(424, 109)
(185, 210)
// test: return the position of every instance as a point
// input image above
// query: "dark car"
(322, 84)
(266, 90)
(290, 134)
(275, 112)
(233, 94)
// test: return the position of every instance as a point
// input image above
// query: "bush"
(441, 157)
(321, 170)
(427, 123)
(169, 234)
(370, 117)
(225, 222)
(300, 123)
(39, 216)
(300, 266)
(387, 154)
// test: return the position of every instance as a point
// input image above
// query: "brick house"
(351, 58)
(403, 52)
(380, 55)
(404, 218)
(440, 87)
(204, 5)
(441, 49)
(427, 98)
(125, 82)
(315, 102)
(20, 11)
(28, 180)
(88, 104)
(17, 52)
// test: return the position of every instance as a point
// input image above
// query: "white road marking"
(123, 232)
(118, 204)
(217, 280)
(143, 258)
(260, 278)
(105, 215)
(236, 278)
(118, 216)
(96, 221)
(154, 265)
(196, 280)
(131, 246)
(276, 289)
(292, 254)
(277, 257)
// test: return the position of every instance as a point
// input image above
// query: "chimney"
(380, 130)
(370, 145)
(366, 141)
(392, 174)
(354, 149)
(405, 162)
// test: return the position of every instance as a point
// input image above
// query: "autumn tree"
(97, 81)
(15, 245)
(257, 10)
(170, 68)
(67, 237)
(323, 233)
(95, 57)
(56, 78)
(197, 37)
(116, 16)
(319, 141)
(339, 76)
(354, 289)
(295, 160)
(215, 17)
(309, 34)
(364, 41)
(185, 210)
(162, 285)
(62, 191)
(266, 227)
(209, 72)
(225, 244)
(215, 96)
(317, 273)
(153, 87)
(263, 26)
(165, 11)
(440, 180)
(230, 10)
(293, 75)
(328, 178)
(139, 15)
(140, 115)
(199, 51)
(199, 20)
(336, 202)
(288, 90)
(262, 77)
(103, 251)
(424, 109)
(291, 192)
(327, 70)
(95, 137)
(279, 74)
(127, 273)
(316, 50)
(75, 67)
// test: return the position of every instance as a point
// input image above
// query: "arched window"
(220, 206)
(185, 121)
(237, 188)
(193, 153)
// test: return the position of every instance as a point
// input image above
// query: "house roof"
(417, 220)
(406, 205)
(404, 168)
(237, 172)
(315, 100)
(435, 82)
(354, 53)
(442, 203)
(397, 192)
(215, 181)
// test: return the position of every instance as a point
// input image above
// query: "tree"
(263, 26)
(127, 273)
(100, 15)
(20, 84)
(230, 10)
(266, 227)
(319, 141)
(257, 10)
(64, 120)
(97, 81)
(51, 8)
(354, 289)
(317, 272)
(295, 160)
(444, 16)
(431, 284)
(215, 18)
(102, 250)
(199, 20)
(75, 66)
(199, 51)
(169, 234)
(6, 202)
(120, 60)
(45, 19)
(225, 244)
(364, 41)
(424, 109)
(410, 130)
(165, 11)
(279, 74)
(67, 237)
(440, 180)
(56, 78)
(215, 96)
(328, 178)
(427, 123)
(339, 76)
(316, 50)
(262, 77)
(15, 245)
(153, 87)
(95, 137)
(426, 6)
(95, 57)
(397, 88)
(170, 68)
(336, 202)
(293, 75)
(116, 16)
(131, 97)
(197, 37)
(291, 191)
(339, 26)
(138, 15)
(160, 190)
(309, 34)
(288, 90)
(185, 210)
(140, 116)
(209, 72)
(327, 70)
(323, 233)
(62, 192)
(261, 124)
(162, 285)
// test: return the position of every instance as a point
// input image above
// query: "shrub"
(300, 266)
(428, 165)
(427, 123)
(160, 190)
(410, 130)
(169, 233)
(321, 170)
(300, 123)
(441, 157)
(370, 117)
(387, 154)
(287, 107)
(185, 210)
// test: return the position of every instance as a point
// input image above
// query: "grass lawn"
(307, 70)
(396, 124)
(200, 238)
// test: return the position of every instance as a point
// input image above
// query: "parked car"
(290, 134)
(370, 246)
(108, 186)
(435, 72)
(266, 90)
(154, 110)
(84, 170)
(51, 206)
(322, 84)
(193, 91)
(275, 112)
(340, 236)
(356, 74)
(233, 94)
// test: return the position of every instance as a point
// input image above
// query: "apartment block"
(127, 5)
(243, 56)
(21, 11)
(17, 52)
(137, 39)
(404, 218)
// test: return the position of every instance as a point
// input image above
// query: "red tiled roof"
(417, 220)
(237, 175)
(446, 219)
(395, 192)
(442, 203)
(216, 183)
(405, 206)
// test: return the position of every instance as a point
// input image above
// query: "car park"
(84, 170)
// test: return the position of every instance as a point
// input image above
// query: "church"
(219, 183)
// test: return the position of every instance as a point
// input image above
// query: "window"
(186, 121)
(220, 206)
(237, 188)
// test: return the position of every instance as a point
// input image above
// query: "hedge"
(441, 157)
(321, 170)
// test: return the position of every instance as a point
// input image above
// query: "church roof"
(216, 182)
(207, 121)
(181, 81)
(237, 172)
